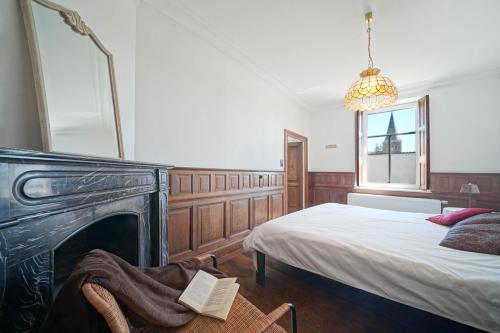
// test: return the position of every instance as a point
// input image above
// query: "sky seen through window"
(404, 121)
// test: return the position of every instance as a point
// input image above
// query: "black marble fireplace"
(56, 207)
(118, 234)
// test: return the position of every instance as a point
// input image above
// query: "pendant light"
(372, 91)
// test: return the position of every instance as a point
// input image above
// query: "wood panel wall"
(334, 186)
(330, 187)
(212, 210)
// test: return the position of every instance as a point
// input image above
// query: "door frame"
(305, 170)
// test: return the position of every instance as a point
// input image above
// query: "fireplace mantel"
(47, 198)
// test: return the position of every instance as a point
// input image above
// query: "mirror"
(74, 81)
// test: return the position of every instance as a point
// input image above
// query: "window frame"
(421, 106)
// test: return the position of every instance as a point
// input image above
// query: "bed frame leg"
(260, 275)
(294, 317)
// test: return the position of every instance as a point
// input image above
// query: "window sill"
(389, 189)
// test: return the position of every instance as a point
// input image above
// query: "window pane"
(403, 143)
(404, 120)
(403, 159)
(377, 160)
(380, 123)
(391, 156)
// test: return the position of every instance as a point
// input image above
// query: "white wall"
(332, 127)
(192, 104)
(19, 125)
(113, 21)
(464, 128)
(197, 106)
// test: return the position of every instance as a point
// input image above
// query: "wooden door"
(294, 176)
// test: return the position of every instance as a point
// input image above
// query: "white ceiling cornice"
(423, 88)
(451, 80)
(187, 18)
(319, 84)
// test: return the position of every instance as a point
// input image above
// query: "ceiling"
(316, 48)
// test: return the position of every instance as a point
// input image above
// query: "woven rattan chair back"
(107, 306)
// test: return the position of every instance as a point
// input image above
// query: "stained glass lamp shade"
(372, 91)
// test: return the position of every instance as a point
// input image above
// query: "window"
(393, 144)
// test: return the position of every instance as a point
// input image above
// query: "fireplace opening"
(118, 234)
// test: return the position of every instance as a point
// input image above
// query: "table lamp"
(470, 189)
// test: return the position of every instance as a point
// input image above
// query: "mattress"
(391, 254)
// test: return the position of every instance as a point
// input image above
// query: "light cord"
(370, 60)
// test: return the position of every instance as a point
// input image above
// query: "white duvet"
(392, 254)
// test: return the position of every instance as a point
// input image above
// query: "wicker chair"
(244, 317)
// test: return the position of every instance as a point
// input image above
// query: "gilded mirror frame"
(76, 23)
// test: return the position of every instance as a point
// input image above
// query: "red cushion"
(452, 218)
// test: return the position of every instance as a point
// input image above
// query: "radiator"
(401, 204)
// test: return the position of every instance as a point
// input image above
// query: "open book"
(210, 296)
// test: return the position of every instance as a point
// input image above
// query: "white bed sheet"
(395, 255)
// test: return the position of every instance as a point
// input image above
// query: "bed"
(388, 253)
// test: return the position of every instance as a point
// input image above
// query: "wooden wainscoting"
(330, 187)
(448, 185)
(334, 186)
(212, 210)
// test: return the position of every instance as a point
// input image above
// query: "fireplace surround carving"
(55, 207)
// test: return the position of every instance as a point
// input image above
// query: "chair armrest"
(263, 324)
(206, 257)
(107, 306)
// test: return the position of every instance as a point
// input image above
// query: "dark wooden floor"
(327, 306)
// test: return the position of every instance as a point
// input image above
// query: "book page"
(219, 294)
(223, 312)
(198, 291)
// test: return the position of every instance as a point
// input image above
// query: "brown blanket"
(148, 296)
